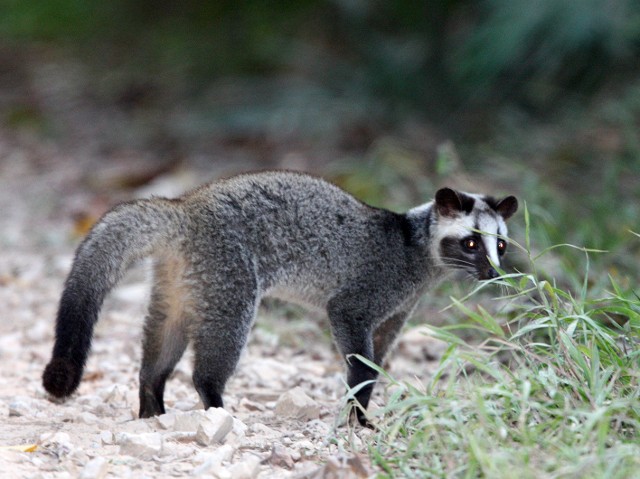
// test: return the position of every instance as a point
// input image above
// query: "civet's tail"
(125, 234)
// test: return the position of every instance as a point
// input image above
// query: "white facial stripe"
(492, 225)
(488, 225)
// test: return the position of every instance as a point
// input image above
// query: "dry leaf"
(21, 448)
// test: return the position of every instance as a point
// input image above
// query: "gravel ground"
(282, 406)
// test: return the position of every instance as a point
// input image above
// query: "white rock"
(143, 446)
(238, 433)
(96, 468)
(87, 418)
(20, 407)
(79, 456)
(280, 457)
(173, 450)
(305, 446)
(166, 421)
(213, 461)
(114, 395)
(214, 427)
(107, 438)
(137, 426)
(295, 403)
(39, 332)
(248, 468)
(188, 421)
(11, 345)
(60, 442)
(92, 401)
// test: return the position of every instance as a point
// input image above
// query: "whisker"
(450, 258)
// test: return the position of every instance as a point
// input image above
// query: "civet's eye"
(471, 244)
(502, 246)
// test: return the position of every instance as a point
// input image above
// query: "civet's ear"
(507, 207)
(448, 202)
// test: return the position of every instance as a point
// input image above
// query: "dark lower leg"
(359, 373)
(151, 397)
(209, 389)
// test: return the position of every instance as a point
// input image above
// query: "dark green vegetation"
(431, 55)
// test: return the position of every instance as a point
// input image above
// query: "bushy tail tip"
(61, 377)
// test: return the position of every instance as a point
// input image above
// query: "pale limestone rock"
(214, 427)
(60, 442)
(295, 403)
(213, 461)
(188, 421)
(87, 418)
(280, 457)
(21, 406)
(107, 438)
(142, 446)
(166, 421)
(96, 468)
(247, 468)
(238, 433)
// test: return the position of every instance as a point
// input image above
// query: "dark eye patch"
(502, 246)
(471, 243)
(462, 253)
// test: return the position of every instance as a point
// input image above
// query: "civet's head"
(470, 231)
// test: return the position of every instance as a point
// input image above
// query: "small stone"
(39, 332)
(20, 407)
(11, 345)
(96, 468)
(106, 437)
(114, 395)
(142, 446)
(262, 430)
(214, 427)
(280, 457)
(188, 421)
(92, 401)
(250, 405)
(166, 421)
(87, 418)
(305, 445)
(60, 443)
(212, 462)
(296, 404)
(248, 468)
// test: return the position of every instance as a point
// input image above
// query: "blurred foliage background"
(388, 98)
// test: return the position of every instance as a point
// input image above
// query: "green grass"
(548, 388)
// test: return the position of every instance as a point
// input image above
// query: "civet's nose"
(492, 273)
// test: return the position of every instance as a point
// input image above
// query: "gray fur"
(221, 248)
